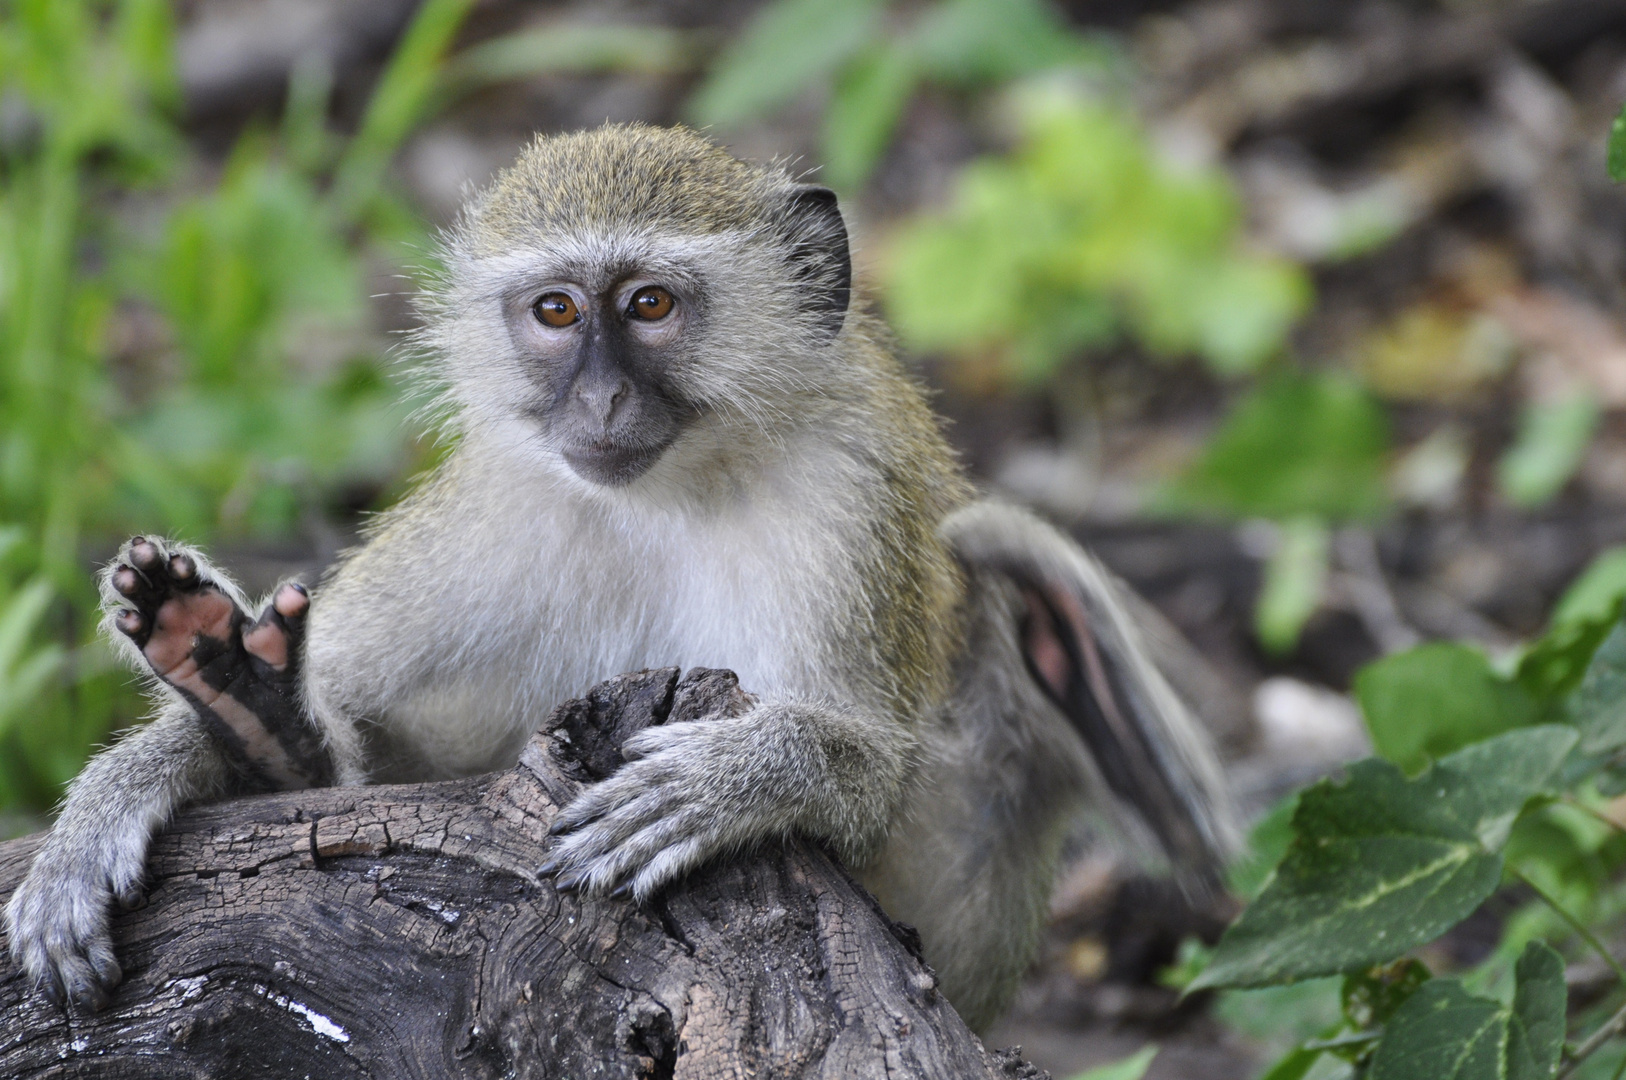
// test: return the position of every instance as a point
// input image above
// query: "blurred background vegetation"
(1308, 315)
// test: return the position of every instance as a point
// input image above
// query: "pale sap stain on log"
(318, 1023)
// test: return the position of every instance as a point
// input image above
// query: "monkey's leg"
(240, 677)
(56, 923)
(695, 790)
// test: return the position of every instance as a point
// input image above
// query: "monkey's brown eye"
(651, 303)
(557, 309)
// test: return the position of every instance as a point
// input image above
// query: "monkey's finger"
(638, 782)
(79, 979)
(607, 872)
(50, 984)
(146, 574)
(130, 897)
(106, 969)
(651, 741)
(589, 806)
(668, 866)
(292, 601)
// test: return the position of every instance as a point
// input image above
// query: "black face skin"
(600, 361)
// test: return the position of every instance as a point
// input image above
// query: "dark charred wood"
(400, 932)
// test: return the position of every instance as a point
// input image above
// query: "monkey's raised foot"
(240, 676)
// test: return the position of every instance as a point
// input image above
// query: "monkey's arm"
(1084, 651)
(56, 923)
(694, 790)
(229, 721)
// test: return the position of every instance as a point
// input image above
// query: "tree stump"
(401, 931)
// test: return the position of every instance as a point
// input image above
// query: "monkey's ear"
(819, 260)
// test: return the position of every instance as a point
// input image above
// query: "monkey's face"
(598, 353)
(633, 309)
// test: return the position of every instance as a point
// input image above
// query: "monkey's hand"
(694, 790)
(57, 921)
(239, 675)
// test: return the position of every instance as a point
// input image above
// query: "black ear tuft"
(819, 258)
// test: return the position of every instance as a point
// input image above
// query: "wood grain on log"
(401, 931)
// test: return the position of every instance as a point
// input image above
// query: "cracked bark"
(401, 931)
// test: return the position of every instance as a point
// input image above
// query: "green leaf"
(982, 41)
(1437, 698)
(1445, 1033)
(1616, 157)
(865, 105)
(1083, 233)
(1294, 1065)
(1555, 663)
(1295, 574)
(1371, 997)
(1381, 864)
(1595, 595)
(1268, 841)
(23, 672)
(789, 46)
(1598, 706)
(1297, 445)
(399, 103)
(1536, 1029)
(1130, 1068)
(572, 48)
(1242, 309)
(1550, 444)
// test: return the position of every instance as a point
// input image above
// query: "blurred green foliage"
(1130, 1068)
(1293, 445)
(872, 57)
(1302, 450)
(260, 396)
(1552, 439)
(1615, 157)
(1080, 236)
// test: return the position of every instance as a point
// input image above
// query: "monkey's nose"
(601, 398)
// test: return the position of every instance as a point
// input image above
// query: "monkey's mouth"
(611, 463)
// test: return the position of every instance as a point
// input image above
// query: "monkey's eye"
(651, 303)
(557, 309)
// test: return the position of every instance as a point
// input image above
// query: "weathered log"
(402, 931)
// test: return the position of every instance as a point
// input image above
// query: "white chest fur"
(540, 593)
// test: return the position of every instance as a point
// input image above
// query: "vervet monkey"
(678, 442)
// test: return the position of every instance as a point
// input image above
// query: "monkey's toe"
(130, 623)
(274, 637)
(144, 554)
(292, 601)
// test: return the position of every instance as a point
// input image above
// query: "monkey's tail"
(1086, 652)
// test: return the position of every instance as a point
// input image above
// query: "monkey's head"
(620, 293)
